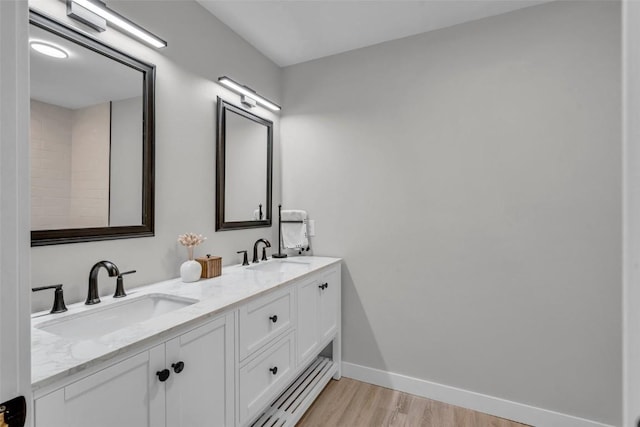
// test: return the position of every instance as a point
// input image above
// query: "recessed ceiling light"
(49, 50)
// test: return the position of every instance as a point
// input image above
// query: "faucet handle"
(58, 297)
(120, 285)
(245, 260)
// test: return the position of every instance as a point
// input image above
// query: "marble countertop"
(54, 358)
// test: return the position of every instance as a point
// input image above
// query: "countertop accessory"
(245, 259)
(58, 298)
(120, 285)
(292, 230)
(190, 270)
(279, 254)
(211, 266)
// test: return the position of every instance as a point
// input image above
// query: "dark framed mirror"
(92, 138)
(244, 162)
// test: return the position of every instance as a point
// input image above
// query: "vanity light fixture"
(247, 92)
(99, 8)
(49, 49)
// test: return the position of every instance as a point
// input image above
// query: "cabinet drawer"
(264, 319)
(263, 377)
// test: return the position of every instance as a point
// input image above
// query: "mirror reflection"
(246, 168)
(91, 138)
(243, 168)
(86, 138)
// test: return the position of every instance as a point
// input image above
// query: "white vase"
(190, 271)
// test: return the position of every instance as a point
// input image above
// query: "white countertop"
(54, 358)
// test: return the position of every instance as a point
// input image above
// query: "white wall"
(200, 50)
(470, 178)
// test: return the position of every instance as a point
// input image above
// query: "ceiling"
(294, 31)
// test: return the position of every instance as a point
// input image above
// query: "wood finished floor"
(352, 403)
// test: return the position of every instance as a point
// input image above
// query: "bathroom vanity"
(256, 342)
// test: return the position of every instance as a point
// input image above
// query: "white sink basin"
(282, 266)
(103, 320)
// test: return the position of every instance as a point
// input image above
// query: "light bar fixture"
(248, 92)
(119, 21)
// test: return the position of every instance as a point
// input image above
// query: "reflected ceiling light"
(114, 18)
(248, 93)
(49, 49)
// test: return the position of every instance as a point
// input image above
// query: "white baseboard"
(515, 411)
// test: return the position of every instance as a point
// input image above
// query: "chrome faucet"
(92, 296)
(264, 250)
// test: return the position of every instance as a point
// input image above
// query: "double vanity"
(254, 346)
(258, 342)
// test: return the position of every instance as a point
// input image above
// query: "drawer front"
(264, 319)
(263, 377)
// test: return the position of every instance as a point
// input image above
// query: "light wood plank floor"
(352, 403)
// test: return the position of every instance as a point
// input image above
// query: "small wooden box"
(211, 266)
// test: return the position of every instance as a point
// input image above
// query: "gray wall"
(200, 50)
(471, 179)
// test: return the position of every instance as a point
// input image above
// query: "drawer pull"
(178, 367)
(323, 286)
(274, 370)
(163, 375)
(274, 318)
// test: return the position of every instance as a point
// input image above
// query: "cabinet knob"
(163, 375)
(273, 318)
(323, 286)
(274, 370)
(178, 367)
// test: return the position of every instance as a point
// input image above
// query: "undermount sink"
(103, 320)
(281, 266)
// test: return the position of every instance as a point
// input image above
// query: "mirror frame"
(146, 229)
(221, 224)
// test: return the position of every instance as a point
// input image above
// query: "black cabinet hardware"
(323, 286)
(163, 375)
(274, 318)
(274, 370)
(178, 367)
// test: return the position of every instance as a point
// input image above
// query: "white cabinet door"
(127, 394)
(328, 304)
(318, 314)
(200, 392)
(308, 294)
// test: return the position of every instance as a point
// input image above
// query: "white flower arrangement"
(190, 241)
